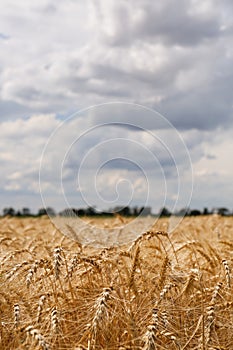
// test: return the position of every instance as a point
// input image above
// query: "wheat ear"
(40, 307)
(150, 338)
(163, 272)
(101, 314)
(35, 334)
(55, 320)
(57, 260)
(16, 315)
(227, 272)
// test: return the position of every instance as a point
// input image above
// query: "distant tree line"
(123, 211)
(164, 212)
(26, 212)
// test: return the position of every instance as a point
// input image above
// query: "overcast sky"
(61, 57)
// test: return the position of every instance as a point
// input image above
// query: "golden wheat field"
(158, 292)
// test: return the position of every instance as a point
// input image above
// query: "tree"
(206, 211)
(68, 212)
(50, 211)
(136, 211)
(164, 212)
(183, 212)
(9, 211)
(124, 211)
(223, 211)
(41, 212)
(26, 212)
(81, 212)
(195, 212)
(90, 211)
(46, 211)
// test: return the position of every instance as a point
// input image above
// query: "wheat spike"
(73, 265)
(163, 272)
(16, 315)
(150, 338)
(57, 260)
(209, 323)
(216, 292)
(40, 307)
(35, 334)
(15, 269)
(101, 315)
(54, 320)
(31, 272)
(164, 291)
(227, 272)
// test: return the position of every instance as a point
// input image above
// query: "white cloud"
(67, 63)
(59, 57)
(21, 145)
(110, 173)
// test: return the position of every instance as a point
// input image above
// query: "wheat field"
(158, 292)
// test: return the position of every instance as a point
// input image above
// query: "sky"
(116, 103)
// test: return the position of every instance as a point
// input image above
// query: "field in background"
(159, 292)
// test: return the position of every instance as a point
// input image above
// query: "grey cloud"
(131, 81)
(99, 72)
(203, 109)
(12, 110)
(121, 163)
(177, 26)
(169, 21)
(210, 156)
(120, 147)
(48, 9)
(4, 36)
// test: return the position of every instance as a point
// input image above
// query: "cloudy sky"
(127, 58)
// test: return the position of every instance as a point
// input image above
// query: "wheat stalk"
(134, 267)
